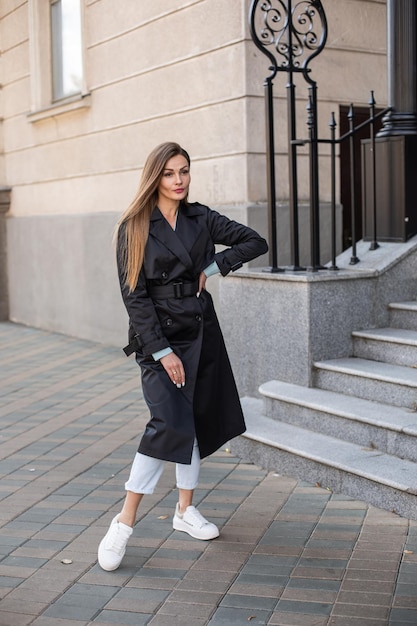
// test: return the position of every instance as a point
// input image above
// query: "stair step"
(380, 479)
(390, 345)
(389, 429)
(403, 315)
(371, 380)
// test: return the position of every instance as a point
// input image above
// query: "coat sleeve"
(243, 243)
(144, 324)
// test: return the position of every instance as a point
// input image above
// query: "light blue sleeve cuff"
(212, 269)
(158, 355)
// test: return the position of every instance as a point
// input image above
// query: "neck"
(168, 208)
(170, 213)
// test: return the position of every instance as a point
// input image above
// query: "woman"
(165, 253)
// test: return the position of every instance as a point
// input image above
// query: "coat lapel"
(180, 241)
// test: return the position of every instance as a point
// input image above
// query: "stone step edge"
(329, 402)
(356, 366)
(279, 435)
(388, 335)
(404, 306)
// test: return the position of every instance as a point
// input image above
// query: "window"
(58, 82)
(66, 48)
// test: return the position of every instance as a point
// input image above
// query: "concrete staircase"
(355, 430)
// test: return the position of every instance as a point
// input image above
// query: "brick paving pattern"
(289, 553)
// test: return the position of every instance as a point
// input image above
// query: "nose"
(178, 178)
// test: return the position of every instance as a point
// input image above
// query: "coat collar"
(188, 210)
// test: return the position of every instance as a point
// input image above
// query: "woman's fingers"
(201, 283)
(178, 377)
(177, 374)
(174, 368)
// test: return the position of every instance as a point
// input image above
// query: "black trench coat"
(208, 406)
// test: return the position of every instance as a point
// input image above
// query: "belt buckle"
(178, 289)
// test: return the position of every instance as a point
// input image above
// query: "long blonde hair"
(135, 220)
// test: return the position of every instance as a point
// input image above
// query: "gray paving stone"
(137, 600)
(305, 608)
(267, 570)
(23, 561)
(10, 581)
(408, 616)
(314, 583)
(406, 589)
(73, 612)
(250, 602)
(262, 579)
(238, 616)
(121, 618)
(157, 572)
(328, 563)
(331, 545)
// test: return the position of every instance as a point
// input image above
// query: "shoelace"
(196, 518)
(116, 542)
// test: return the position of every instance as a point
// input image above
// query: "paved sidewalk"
(289, 553)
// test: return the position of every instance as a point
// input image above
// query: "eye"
(185, 171)
(166, 174)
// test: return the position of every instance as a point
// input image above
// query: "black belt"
(174, 290)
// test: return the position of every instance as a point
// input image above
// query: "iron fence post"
(293, 192)
(270, 140)
(270, 156)
(314, 182)
(292, 150)
(332, 125)
(353, 259)
(374, 244)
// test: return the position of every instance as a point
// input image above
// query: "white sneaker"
(193, 523)
(112, 547)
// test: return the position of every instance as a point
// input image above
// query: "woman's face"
(175, 180)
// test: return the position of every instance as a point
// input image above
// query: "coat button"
(164, 274)
(168, 322)
(198, 317)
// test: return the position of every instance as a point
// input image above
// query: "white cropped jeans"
(146, 471)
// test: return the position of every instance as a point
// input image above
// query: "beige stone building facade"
(89, 87)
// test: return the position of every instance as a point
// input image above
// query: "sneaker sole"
(181, 526)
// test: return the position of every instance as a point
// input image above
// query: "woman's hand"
(173, 366)
(201, 283)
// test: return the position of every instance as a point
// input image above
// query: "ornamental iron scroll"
(291, 34)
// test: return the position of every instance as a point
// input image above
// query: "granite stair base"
(355, 430)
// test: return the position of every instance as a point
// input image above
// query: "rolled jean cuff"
(188, 475)
(144, 474)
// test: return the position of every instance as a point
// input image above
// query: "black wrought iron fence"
(291, 34)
